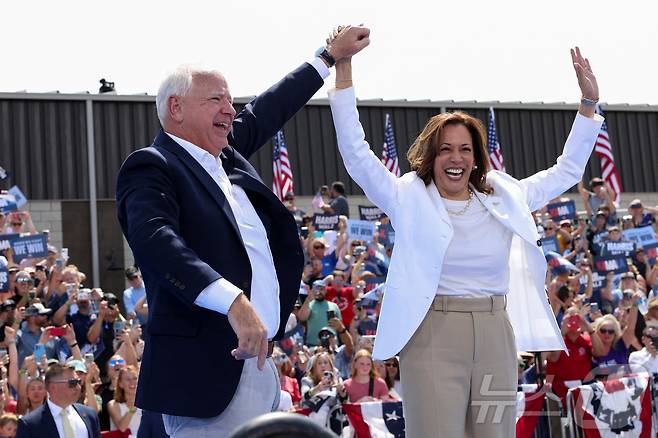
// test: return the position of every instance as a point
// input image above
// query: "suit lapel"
(434, 198)
(163, 140)
(49, 420)
(85, 419)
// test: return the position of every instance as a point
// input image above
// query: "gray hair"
(178, 83)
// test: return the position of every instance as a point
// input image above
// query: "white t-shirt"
(476, 263)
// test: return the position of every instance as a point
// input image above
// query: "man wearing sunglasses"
(60, 415)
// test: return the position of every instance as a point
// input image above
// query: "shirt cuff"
(319, 65)
(218, 296)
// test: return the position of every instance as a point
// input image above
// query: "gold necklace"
(466, 207)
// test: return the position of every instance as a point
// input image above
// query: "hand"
(30, 365)
(20, 314)
(347, 42)
(586, 79)
(45, 335)
(124, 336)
(251, 333)
(102, 310)
(336, 324)
(69, 333)
(93, 373)
(10, 334)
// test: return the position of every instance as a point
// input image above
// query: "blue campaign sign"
(651, 250)
(616, 264)
(361, 230)
(562, 210)
(4, 279)
(368, 213)
(324, 222)
(8, 203)
(30, 246)
(641, 236)
(597, 241)
(598, 281)
(21, 200)
(6, 239)
(620, 247)
(549, 244)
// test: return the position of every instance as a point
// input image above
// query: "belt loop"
(492, 304)
(444, 303)
(505, 302)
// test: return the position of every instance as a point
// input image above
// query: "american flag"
(390, 153)
(495, 154)
(282, 172)
(604, 151)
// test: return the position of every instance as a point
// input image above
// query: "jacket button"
(539, 242)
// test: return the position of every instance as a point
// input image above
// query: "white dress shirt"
(220, 294)
(79, 426)
(644, 359)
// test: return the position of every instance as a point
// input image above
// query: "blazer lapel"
(85, 419)
(435, 199)
(49, 421)
(163, 140)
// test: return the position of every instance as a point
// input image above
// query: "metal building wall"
(43, 140)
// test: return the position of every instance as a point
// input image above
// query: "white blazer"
(423, 231)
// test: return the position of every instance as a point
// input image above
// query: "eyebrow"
(220, 94)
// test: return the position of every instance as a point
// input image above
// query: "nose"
(228, 109)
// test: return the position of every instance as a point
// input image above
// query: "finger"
(589, 67)
(262, 354)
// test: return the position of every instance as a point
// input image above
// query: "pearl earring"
(475, 167)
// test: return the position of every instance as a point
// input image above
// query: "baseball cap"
(7, 305)
(319, 283)
(110, 298)
(37, 309)
(77, 365)
(327, 329)
(132, 272)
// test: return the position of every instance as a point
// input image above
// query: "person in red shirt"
(343, 295)
(578, 363)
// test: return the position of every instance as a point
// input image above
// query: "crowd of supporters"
(48, 316)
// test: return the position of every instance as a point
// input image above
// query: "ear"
(175, 108)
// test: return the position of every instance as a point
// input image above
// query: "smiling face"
(204, 116)
(363, 365)
(454, 162)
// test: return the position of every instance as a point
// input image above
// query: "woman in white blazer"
(466, 254)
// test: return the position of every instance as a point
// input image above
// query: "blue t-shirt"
(611, 362)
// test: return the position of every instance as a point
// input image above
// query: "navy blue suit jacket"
(40, 422)
(184, 236)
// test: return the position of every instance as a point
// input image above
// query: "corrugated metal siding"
(43, 142)
(43, 146)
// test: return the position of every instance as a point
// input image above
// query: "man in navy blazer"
(219, 253)
(59, 416)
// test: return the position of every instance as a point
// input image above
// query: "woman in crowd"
(31, 389)
(393, 377)
(321, 386)
(288, 382)
(465, 237)
(610, 345)
(8, 425)
(123, 412)
(365, 384)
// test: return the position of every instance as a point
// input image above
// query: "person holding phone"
(316, 312)
(321, 386)
(466, 253)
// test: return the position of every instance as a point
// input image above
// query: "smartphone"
(57, 331)
(32, 295)
(59, 264)
(118, 327)
(3, 351)
(573, 322)
(89, 358)
(594, 307)
(65, 253)
(331, 314)
(39, 352)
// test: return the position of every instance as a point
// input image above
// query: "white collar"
(55, 409)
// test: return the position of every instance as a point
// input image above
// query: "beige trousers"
(458, 371)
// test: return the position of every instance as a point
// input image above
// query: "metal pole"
(93, 213)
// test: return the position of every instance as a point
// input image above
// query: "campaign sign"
(8, 203)
(616, 264)
(3, 174)
(4, 279)
(651, 250)
(30, 246)
(368, 213)
(641, 236)
(598, 281)
(21, 200)
(597, 240)
(361, 230)
(550, 244)
(614, 248)
(6, 239)
(324, 222)
(562, 210)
